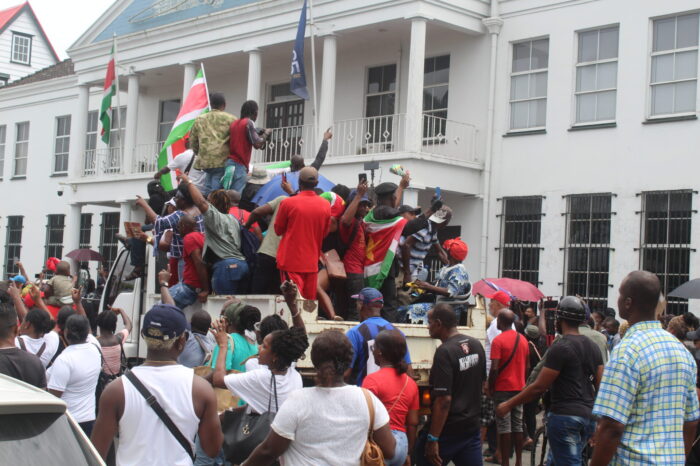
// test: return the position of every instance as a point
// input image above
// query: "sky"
(64, 21)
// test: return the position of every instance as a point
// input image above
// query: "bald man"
(58, 290)
(647, 404)
(302, 221)
(509, 364)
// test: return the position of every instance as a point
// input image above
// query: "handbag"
(224, 398)
(372, 454)
(334, 265)
(244, 431)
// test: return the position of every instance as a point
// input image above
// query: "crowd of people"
(209, 386)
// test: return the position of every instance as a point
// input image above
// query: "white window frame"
(513, 74)
(61, 137)
(397, 103)
(3, 145)
(651, 54)
(25, 144)
(574, 114)
(15, 37)
(433, 132)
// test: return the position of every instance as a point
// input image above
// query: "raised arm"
(197, 197)
(163, 279)
(349, 214)
(323, 150)
(403, 184)
(257, 214)
(38, 300)
(289, 291)
(219, 330)
(150, 213)
(125, 318)
(17, 302)
(22, 272)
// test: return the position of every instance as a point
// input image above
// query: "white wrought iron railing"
(449, 138)
(286, 142)
(146, 158)
(373, 135)
(103, 161)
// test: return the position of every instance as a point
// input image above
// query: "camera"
(60, 192)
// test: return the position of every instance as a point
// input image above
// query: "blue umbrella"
(273, 188)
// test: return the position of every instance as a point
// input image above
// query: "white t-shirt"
(327, 426)
(254, 387)
(34, 344)
(75, 372)
(491, 333)
(180, 163)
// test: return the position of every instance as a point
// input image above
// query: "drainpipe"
(493, 23)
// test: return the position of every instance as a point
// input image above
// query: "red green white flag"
(110, 90)
(196, 103)
(381, 243)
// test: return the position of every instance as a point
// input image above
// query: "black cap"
(407, 208)
(385, 188)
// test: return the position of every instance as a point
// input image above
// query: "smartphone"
(438, 192)
(362, 178)
(284, 177)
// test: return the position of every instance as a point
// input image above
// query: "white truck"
(137, 296)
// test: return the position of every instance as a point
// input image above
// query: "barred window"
(108, 239)
(85, 234)
(521, 226)
(665, 240)
(55, 223)
(13, 244)
(587, 248)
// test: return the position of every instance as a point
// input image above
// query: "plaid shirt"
(170, 222)
(649, 386)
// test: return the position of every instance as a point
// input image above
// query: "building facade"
(562, 133)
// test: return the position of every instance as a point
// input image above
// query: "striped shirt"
(649, 386)
(170, 222)
(425, 239)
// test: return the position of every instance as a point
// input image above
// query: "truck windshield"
(37, 438)
(120, 270)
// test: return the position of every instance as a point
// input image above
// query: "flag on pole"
(196, 103)
(298, 82)
(110, 90)
(382, 241)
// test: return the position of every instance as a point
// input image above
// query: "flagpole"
(206, 86)
(118, 117)
(312, 25)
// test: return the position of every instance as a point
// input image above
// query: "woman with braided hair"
(328, 423)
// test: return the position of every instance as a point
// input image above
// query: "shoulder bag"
(372, 454)
(244, 431)
(510, 358)
(160, 412)
(23, 346)
(400, 393)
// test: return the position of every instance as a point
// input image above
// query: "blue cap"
(369, 296)
(164, 322)
(352, 195)
(19, 278)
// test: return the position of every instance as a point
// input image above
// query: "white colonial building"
(563, 134)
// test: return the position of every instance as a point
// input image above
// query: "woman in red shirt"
(399, 392)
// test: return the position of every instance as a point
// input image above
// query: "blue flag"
(298, 82)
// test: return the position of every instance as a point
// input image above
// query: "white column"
(410, 197)
(71, 234)
(190, 70)
(78, 128)
(326, 110)
(132, 116)
(124, 213)
(414, 96)
(254, 75)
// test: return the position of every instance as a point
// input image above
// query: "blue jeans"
(567, 437)
(180, 269)
(463, 449)
(401, 449)
(183, 295)
(227, 273)
(239, 178)
(201, 458)
(212, 182)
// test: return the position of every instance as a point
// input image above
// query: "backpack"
(249, 246)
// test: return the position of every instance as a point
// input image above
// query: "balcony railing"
(146, 158)
(373, 135)
(104, 161)
(286, 142)
(449, 138)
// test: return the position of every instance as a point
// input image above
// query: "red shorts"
(306, 282)
(172, 265)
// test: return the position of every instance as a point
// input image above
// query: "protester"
(36, 336)
(184, 163)
(572, 371)
(417, 246)
(456, 377)
(498, 302)
(266, 276)
(397, 390)
(611, 327)
(297, 161)
(509, 363)
(303, 222)
(188, 400)
(60, 286)
(194, 285)
(598, 317)
(530, 314)
(369, 305)
(15, 362)
(594, 335)
(258, 178)
(241, 214)
(647, 404)
(327, 423)
(200, 342)
(408, 212)
(452, 281)
(111, 343)
(73, 375)
(240, 320)
(243, 137)
(222, 246)
(209, 139)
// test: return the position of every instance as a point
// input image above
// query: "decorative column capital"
(494, 25)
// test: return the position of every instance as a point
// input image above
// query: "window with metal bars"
(521, 227)
(85, 234)
(665, 240)
(587, 247)
(108, 238)
(55, 223)
(13, 244)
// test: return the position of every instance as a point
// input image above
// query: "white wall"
(41, 55)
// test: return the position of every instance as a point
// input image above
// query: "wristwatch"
(432, 438)
(165, 284)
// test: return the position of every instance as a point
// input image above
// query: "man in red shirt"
(195, 278)
(302, 221)
(509, 363)
(243, 136)
(241, 214)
